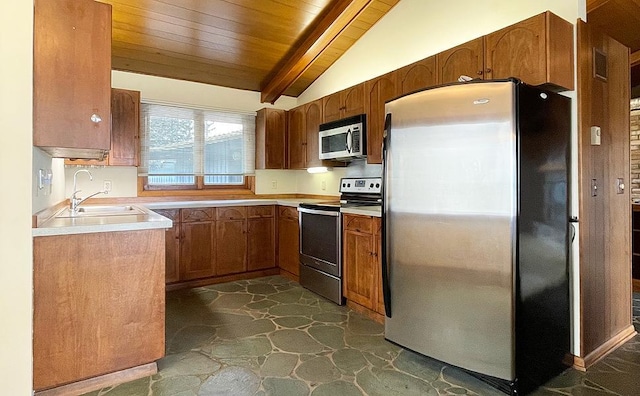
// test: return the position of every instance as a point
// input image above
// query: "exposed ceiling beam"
(340, 14)
(634, 59)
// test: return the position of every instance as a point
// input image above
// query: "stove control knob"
(349, 185)
(377, 185)
(371, 185)
(344, 184)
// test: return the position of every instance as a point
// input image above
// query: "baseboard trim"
(97, 383)
(222, 279)
(289, 275)
(583, 363)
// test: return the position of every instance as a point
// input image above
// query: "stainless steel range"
(321, 236)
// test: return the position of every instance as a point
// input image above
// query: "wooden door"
(312, 121)
(417, 76)
(605, 269)
(125, 127)
(332, 107)
(353, 101)
(196, 250)
(297, 138)
(289, 240)
(231, 240)
(72, 74)
(518, 51)
(172, 245)
(359, 265)
(271, 144)
(378, 91)
(465, 59)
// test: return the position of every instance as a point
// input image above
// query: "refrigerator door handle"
(386, 291)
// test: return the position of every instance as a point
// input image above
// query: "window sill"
(225, 192)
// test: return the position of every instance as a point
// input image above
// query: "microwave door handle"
(349, 141)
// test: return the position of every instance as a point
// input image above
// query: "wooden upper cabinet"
(271, 139)
(538, 50)
(125, 131)
(312, 121)
(343, 104)
(417, 76)
(125, 127)
(377, 91)
(297, 139)
(465, 59)
(72, 77)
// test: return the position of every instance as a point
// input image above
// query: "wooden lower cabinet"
(172, 245)
(261, 237)
(197, 247)
(231, 240)
(98, 304)
(289, 240)
(361, 261)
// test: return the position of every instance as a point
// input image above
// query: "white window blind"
(179, 143)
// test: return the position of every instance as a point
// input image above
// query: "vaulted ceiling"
(271, 46)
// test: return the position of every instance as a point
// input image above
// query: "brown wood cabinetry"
(304, 125)
(416, 76)
(197, 243)
(538, 50)
(271, 139)
(343, 104)
(377, 92)
(172, 245)
(231, 240)
(261, 237)
(361, 260)
(125, 131)
(72, 77)
(98, 304)
(297, 147)
(289, 241)
(312, 121)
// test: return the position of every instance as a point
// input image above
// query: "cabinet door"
(261, 243)
(297, 138)
(417, 76)
(353, 101)
(125, 127)
(72, 74)
(518, 51)
(172, 245)
(465, 59)
(231, 240)
(196, 250)
(313, 119)
(271, 145)
(378, 91)
(289, 240)
(331, 107)
(360, 272)
(377, 257)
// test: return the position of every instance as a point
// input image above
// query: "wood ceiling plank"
(340, 15)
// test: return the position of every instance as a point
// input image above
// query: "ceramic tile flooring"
(269, 336)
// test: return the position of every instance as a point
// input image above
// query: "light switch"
(595, 135)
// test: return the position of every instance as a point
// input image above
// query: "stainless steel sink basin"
(102, 210)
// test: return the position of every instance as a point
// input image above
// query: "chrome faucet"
(75, 201)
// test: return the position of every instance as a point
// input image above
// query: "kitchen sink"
(102, 210)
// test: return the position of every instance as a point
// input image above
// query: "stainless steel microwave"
(343, 139)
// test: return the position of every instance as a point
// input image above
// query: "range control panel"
(364, 185)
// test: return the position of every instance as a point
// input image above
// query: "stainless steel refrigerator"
(476, 229)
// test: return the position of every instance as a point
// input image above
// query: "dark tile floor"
(269, 336)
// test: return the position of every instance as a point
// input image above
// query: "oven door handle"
(319, 212)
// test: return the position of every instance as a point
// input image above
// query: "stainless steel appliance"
(343, 139)
(321, 236)
(475, 229)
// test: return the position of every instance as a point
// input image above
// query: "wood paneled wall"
(605, 249)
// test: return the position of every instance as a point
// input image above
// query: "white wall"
(16, 27)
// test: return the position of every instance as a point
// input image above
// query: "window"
(187, 148)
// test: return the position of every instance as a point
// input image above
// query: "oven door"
(321, 240)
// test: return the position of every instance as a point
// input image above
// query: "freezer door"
(449, 218)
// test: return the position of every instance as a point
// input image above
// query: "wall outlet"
(323, 185)
(107, 186)
(274, 184)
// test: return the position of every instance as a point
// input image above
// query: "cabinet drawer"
(232, 213)
(362, 224)
(198, 214)
(173, 214)
(260, 211)
(288, 212)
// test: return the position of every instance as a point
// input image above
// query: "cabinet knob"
(96, 119)
(488, 70)
(479, 72)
